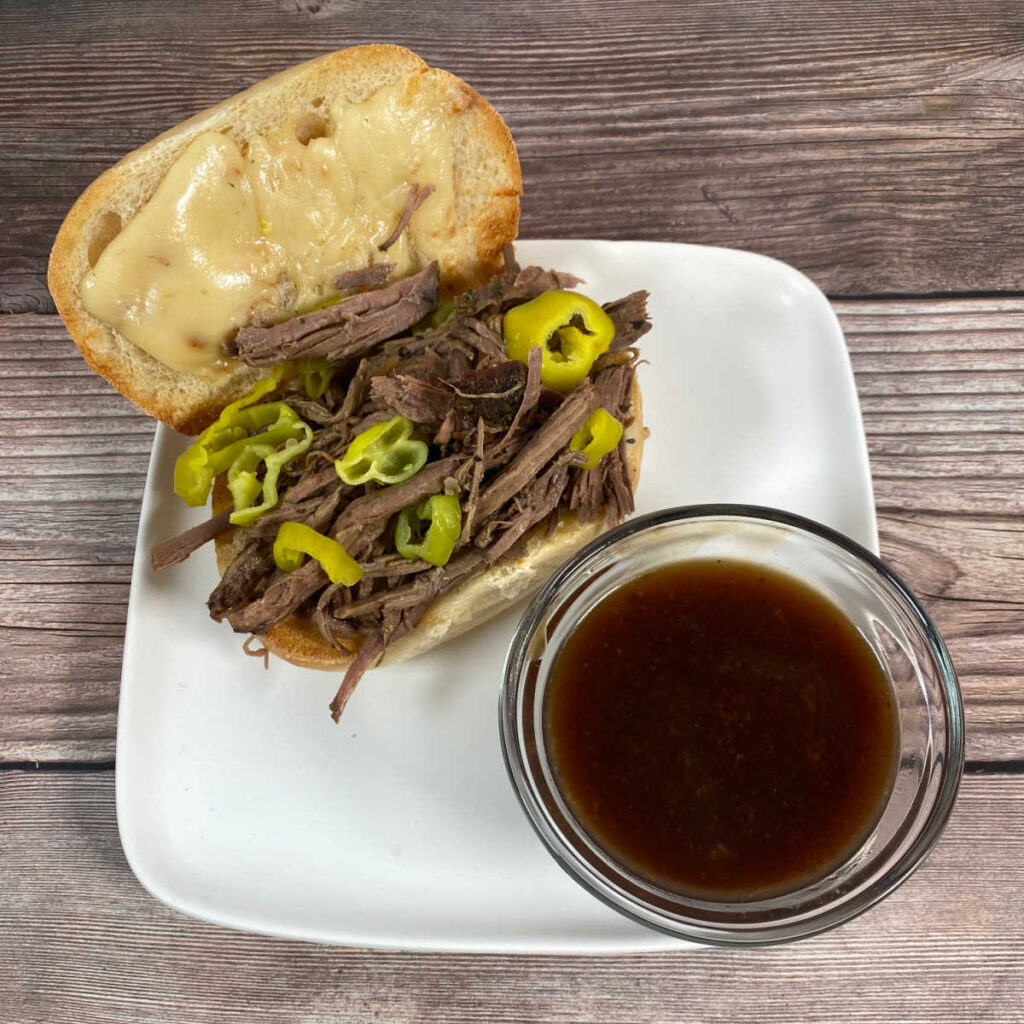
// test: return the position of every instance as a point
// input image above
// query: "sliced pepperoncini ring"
(444, 514)
(316, 375)
(243, 482)
(385, 453)
(294, 541)
(217, 447)
(572, 330)
(598, 436)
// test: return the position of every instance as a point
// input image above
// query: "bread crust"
(488, 186)
(468, 605)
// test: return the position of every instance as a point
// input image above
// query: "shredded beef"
(257, 652)
(475, 333)
(493, 392)
(309, 409)
(587, 490)
(345, 330)
(254, 564)
(539, 500)
(393, 565)
(360, 518)
(469, 509)
(382, 504)
(601, 488)
(342, 636)
(618, 492)
(408, 396)
(630, 318)
(554, 435)
(332, 441)
(399, 621)
(372, 649)
(355, 392)
(316, 512)
(171, 552)
(531, 391)
(613, 388)
(279, 600)
(242, 578)
(457, 363)
(503, 438)
(311, 485)
(444, 432)
(417, 194)
(514, 288)
(369, 277)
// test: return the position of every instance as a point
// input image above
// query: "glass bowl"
(924, 687)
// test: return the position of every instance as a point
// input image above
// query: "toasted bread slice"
(486, 187)
(468, 605)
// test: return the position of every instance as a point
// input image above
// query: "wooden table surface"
(877, 146)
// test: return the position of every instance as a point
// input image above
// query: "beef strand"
(591, 488)
(346, 330)
(310, 485)
(372, 649)
(469, 515)
(630, 318)
(316, 512)
(399, 622)
(242, 578)
(512, 289)
(417, 194)
(416, 399)
(539, 502)
(475, 333)
(356, 391)
(369, 277)
(176, 550)
(618, 491)
(531, 392)
(554, 435)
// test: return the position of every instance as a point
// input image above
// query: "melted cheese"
(227, 237)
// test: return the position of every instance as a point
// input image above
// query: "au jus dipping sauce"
(721, 730)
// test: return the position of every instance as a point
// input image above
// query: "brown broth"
(722, 730)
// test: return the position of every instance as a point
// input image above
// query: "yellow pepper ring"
(572, 330)
(220, 444)
(242, 480)
(597, 437)
(444, 514)
(243, 483)
(316, 375)
(296, 540)
(384, 452)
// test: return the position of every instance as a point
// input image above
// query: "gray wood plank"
(940, 385)
(81, 941)
(874, 145)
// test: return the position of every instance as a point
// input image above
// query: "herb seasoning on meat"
(722, 730)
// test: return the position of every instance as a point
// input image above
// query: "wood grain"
(876, 146)
(940, 382)
(81, 941)
(72, 471)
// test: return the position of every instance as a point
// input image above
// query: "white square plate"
(238, 799)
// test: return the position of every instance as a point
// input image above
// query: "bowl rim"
(816, 922)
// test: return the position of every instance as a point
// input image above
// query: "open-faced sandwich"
(402, 430)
